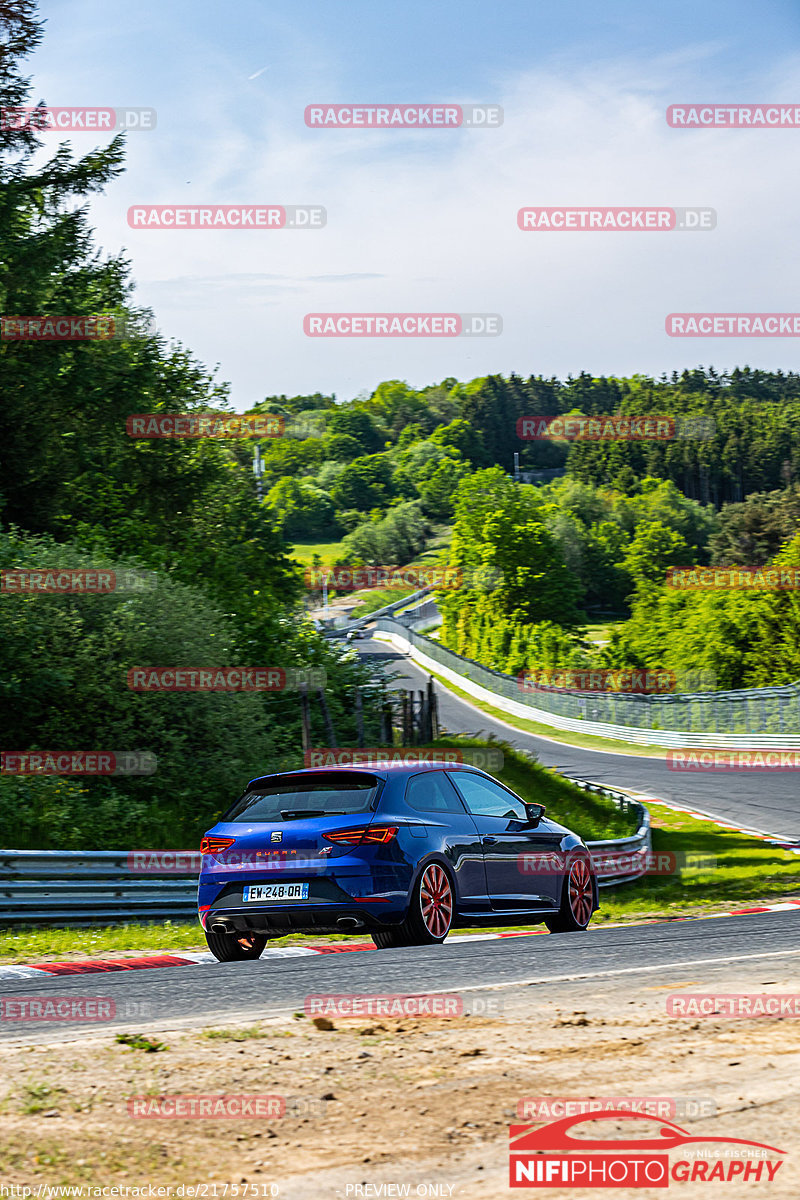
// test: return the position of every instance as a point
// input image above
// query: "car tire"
(577, 899)
(430, 913)
(387, 939)
(235, 947)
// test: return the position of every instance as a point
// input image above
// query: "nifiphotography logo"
(560, 1154)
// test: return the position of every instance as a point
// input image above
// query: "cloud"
(353, 277)
(427, 222)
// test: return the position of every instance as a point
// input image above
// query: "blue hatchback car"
(404, 853)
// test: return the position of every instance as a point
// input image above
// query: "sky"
(426, 220)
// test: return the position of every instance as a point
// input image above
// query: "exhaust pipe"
(218, 927)
(349, 923)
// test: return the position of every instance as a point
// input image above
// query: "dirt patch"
(424, 1102)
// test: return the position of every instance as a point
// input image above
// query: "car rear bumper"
(337, 904)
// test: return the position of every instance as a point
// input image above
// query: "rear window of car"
(291, 798)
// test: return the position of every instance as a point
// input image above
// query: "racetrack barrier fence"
(97, 887)
(750, 717)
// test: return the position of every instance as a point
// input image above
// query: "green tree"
(752, 533)
(365, 483)
(396, 405)
(341, 447)
(460, 436)
(357, 423)
(438, 488)
(301, 510)
(654, 548)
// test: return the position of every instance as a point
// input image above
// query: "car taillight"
(215, 845)
(358, 837)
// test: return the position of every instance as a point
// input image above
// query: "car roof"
(385, 771)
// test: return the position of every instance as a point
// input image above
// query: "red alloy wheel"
(580, 891)
(436, 900)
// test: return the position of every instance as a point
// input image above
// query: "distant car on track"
(402, 852)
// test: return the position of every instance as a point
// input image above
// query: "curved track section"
(768, 802)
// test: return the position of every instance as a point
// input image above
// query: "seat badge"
(276, 837)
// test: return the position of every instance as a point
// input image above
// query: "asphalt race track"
(768, 802)
(528, 972)
(525, 971)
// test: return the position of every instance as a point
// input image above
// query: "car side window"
(432, 791)
(486, 798)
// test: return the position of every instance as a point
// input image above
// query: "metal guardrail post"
(621, 860)
(89, 887)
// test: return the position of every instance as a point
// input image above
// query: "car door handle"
(489, 841)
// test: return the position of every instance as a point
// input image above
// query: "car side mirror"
(534, 813)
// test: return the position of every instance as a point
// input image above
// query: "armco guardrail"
(621, 860)
(762, 717)
(95, 887)
(424, 615)
(91, 887)
(387, 610)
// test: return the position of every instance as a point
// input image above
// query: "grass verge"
(376, 598)
(746, 871)
(329, 552)
(36, 945)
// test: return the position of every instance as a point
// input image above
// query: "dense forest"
(540, 560)
(420, 444)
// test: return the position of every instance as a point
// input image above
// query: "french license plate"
(275, 891)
